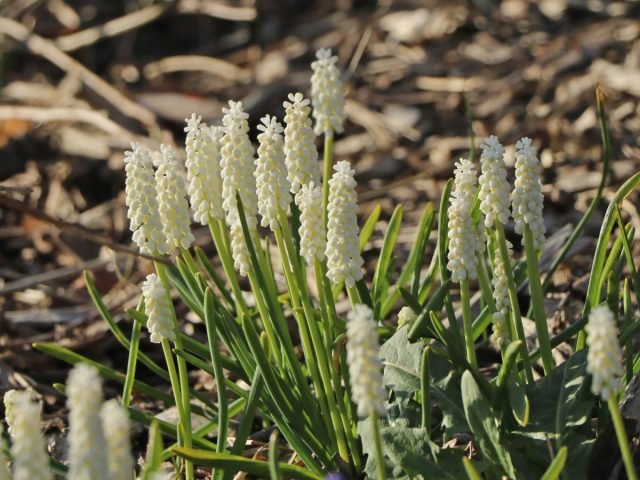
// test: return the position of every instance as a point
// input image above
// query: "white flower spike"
(527, 198)
(116, 426)
(142, 200)
(157, 307)
(312, 236)
(464, 240)
(343, 246)
(271, 173)
(237, 177)
(172, 199)
(501, 296)
(365, 366)
(204, 182)
(87, 446)
(299, 147)
(327, 94)
(604, 356)
(494, 187)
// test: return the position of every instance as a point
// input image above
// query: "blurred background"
(425, 81)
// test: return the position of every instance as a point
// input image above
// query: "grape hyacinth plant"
(293, 318)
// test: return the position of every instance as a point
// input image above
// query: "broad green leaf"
(519, 402)
(484, 424)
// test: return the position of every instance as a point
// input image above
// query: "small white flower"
(494, 187)
(327, 94)
(406, 316)
(500, 281)
(464, 240)
(87, 446)
(28, 446)
(603, 358)
(157, 307)
(365, 366)
(203, 170)
(299, 147)
(142, 200)
(312, 237)
(116, 426)
(271, 173)
(343, 246)
(500, 333)
(172, 199)
(237, 177)
(527, 198)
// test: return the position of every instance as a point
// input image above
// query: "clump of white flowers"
(157, 307)
(494, 187)
(238, 178)
(365, 366)
(343, 248)
(299, 148)
(603, 358)
(464, 239)
(116, 426)
(500, 283)
(142, 200)
(327, 94)
(312, 236)
(28, 446)
(172, 199)
(204, 183)
(87, 446)
(527, 199)
(271, 173)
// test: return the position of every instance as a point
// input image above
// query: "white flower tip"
(323, 54)
(492, 147)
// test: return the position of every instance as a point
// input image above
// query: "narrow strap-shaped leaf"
(153, 457)
(384, 259)
(238, 463)
(422, 324)
(556, 467)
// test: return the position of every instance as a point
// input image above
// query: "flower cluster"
(238, 178)
(202, 146)
(271, 173)
(363, 357)
(603, 358)
(312, 236)
(406, 316)
(116, 425)
(464, 240)
(142, 200)
(343, 248)
(500, 283)
(527, 196)
(327, 94)
(494, 187)
(158, 307)
(28, 448)
(299, 147)
(172, 199)
(87, 445)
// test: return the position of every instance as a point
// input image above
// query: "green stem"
(328, 163)
(516, 317)
(465, 300)
(354, 296)
(426, 391)
(377, 441)
(485, 283)
(132, 362)
(537, 301)
(621, 434)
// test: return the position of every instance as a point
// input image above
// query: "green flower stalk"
(604, 365)
(238, 177)
(5, 474)
(204, 181)
(301, 154)
(271, 173)
(28, 447)
(343, 249)
(527, 202)
(365, 373)
(464, 243)
(116, 427)
(87, 445)
(142, 200)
